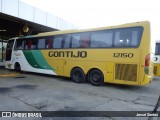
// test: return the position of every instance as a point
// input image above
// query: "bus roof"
(84, 30)
(92, 29)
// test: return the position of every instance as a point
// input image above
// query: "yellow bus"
(157, 59)
(116, 54)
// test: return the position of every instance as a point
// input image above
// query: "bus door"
(2, 53)
(9, 50)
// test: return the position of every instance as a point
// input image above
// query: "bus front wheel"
(17, 67)
(78, 75)
(96, 77)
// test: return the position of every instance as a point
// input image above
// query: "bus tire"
(96, 77)
(77, 75)
(17, 67)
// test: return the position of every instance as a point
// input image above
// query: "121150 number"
(123, 55)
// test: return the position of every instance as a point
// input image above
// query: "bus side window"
(49, 42)
(28, 44)
(84, 43)
(76, 41)
(123, 38)
(41, 43)
(101, 39)
(23, 43)
(67, 41)
(18, 44)
(128, 37)
(34, 44)
(135, 40)
(57, 42)
(85, 40)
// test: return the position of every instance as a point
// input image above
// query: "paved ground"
(36, 92)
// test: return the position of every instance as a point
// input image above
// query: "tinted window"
(20, 44)
(67, 41)
(34, 44)
(127, 37)
(101, 39)
(28, 44)
(85, 40)
(121, 37)
(76, 41)
(41, 43)
(49, 42)
(31, 43)
(57, 42)
(80, 40)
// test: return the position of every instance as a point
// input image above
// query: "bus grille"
(126, 72)
(155, 70)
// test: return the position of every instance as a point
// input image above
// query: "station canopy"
(13, 27)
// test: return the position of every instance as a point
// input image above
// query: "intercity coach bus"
(116, 54)
(157, 59)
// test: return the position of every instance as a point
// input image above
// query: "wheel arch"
(16, 64)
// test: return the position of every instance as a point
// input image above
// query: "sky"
(98, 13)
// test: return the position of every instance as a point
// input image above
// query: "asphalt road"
(37, 92)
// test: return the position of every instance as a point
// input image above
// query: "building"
(20, 19)
(16, 17)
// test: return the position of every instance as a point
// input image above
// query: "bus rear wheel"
(96, 77)
(78, 75)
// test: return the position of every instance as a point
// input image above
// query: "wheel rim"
(96, 77)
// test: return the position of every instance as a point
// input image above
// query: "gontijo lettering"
(77, 54)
